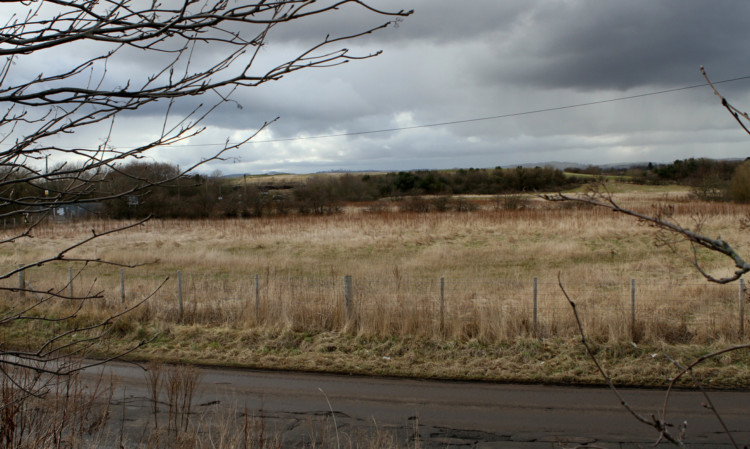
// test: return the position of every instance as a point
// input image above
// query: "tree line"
(168, 195)
(157, 189)
(202, 196)
(710, 179)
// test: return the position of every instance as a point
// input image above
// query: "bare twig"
(736, 113)
(663, 222)
(204, 51)
(659, 424)
(689, 371)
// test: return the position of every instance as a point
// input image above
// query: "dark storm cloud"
(433, 21)
(596, 44)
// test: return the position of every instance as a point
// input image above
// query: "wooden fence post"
(257, 300)
(179, 291)
(442, 306)
(742, 308)
(536, 308)
(348, 297)
(22, 281)
(632, 310)
(70, 282)
(122, 285)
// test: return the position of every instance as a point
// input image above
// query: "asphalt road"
(433, 414)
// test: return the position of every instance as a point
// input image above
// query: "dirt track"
(438, 414)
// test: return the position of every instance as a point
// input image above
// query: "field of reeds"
(433, 278)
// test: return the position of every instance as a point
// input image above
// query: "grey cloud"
(453, 61)
(433, 21)
(592, 44)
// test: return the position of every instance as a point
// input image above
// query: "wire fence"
(442, 307)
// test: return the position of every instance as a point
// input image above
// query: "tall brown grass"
(488, 258)
(41, 411)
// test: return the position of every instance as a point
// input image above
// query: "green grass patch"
(618, 186)
(589, 177)
(527, 360)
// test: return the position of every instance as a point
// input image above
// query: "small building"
(68, 212)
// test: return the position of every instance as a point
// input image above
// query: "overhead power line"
(491, 117)
(475, 119)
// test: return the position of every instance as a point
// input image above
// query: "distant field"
(587, 176)
(487, 258)
(647, 191)
(290, 177)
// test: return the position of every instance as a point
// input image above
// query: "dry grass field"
(481, 326)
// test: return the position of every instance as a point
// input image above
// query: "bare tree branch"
(672, 231)
(657, 423)
(204, 51)
(709, 403)
(736, 113)
(663, 222)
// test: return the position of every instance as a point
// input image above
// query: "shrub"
(739, 186)
(415, 204)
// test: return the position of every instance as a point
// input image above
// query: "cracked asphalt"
(310, 410)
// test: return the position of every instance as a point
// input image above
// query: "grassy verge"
(549, 361)
(525, 360)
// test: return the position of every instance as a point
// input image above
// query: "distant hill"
(553, 164)
(239, 175)
(559, 165)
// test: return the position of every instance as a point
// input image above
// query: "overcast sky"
(456, 61)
